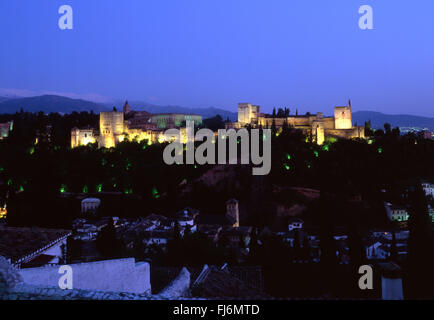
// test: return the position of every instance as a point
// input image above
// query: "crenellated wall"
(318, 126)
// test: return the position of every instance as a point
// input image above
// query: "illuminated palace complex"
(318, 126)
(115, 127)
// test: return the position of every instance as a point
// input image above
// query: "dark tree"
(419, 274)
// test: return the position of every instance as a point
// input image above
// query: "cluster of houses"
(47, 246)
(158, 230)
(226, 229)
(400, 213)
(33, 248)
(381, 243)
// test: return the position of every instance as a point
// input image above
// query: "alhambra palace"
(116, 126)
(128, 125)
(317, 126)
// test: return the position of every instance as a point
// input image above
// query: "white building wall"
(391, 289)
(56, 251)
(123, 275)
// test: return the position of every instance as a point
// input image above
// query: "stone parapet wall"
(122, 275)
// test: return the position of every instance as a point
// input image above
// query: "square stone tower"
(247, 113)
(111, 126)
(343, 119)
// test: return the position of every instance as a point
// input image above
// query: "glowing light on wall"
(331, 140)
(3, 212)
(161, 138)
(62, 188)
(85, 189)
(155, 193)
(99, 188)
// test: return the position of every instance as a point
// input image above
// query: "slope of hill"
(52, 103)
(204, 112)
(49, 103)
(378, 120)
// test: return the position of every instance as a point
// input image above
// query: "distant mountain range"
(204, 112)
(47, 104)
(378, 120)
(52, 103)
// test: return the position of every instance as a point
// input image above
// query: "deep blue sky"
(308, 54)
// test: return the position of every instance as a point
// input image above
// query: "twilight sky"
(305, 54)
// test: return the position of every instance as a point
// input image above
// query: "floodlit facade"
(317, 126)
(173, 120)
(82, 137)
(129, 125)
(3, 212)
(111, 126)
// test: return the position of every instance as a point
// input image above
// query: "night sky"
(305, 54)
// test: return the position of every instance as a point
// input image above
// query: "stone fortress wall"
(339, 126)
(130, 125)
(116, 126)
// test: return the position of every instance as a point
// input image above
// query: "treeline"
(55, 126)
(344, 168)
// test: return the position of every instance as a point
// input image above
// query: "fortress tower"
(343, 118)
(111, 126)
(247, 113)
(318, 132)
(82, 137)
